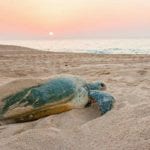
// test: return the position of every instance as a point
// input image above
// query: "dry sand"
(125, 127)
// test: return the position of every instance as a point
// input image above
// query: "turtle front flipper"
(104, 100)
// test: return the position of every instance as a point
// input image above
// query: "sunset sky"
(45, 19)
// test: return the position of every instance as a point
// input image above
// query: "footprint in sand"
(142, 72)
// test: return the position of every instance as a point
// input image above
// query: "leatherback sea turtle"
(58, 95)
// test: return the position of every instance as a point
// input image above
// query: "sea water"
(98, 46)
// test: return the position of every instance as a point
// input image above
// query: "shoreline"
(78, 49)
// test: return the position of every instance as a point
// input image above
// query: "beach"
(125, 127)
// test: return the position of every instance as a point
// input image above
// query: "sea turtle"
(58, 95)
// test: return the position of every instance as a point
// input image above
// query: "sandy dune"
(125, 127)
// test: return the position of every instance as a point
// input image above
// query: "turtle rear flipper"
(13, 101)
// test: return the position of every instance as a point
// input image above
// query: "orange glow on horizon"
(74, 17)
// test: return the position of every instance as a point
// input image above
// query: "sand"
(125, 127)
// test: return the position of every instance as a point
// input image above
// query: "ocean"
(98, 46)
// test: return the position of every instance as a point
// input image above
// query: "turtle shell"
(35, 102)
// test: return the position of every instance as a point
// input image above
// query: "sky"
(47, 19)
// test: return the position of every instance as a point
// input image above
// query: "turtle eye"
(102, 85)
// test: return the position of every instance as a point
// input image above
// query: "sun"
(51, 33)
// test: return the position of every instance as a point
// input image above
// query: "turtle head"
(98, 85)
